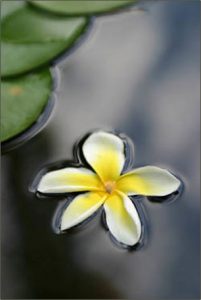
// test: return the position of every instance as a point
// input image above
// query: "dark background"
(137, 72)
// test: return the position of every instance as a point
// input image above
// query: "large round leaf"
(22, 101)
(20, 58)
(27, 25)
(8, 7)
(82, 7)
(31, 39)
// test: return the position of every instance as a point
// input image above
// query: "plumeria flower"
(105, 184)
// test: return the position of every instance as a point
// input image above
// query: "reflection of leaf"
(22, 102)
(82, 7)
(31, 39)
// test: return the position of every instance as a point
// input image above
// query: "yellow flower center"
(110, 186)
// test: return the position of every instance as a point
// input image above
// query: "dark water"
(138, 73)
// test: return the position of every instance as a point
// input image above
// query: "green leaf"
(20, 58)
(29, 26)
(82, 7)
(8, 7)
(22, 101)
(31, 39)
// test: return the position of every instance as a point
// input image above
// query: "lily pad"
(23, 100)
(8, 7)
(20, 58)
(83, 7)
(27, 25)
(31, 39)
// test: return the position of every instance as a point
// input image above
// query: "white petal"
(105, 153)
(122, 219)
(148, 181)
(82, 207)
(69, 180)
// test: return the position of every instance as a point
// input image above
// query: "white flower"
(106, 186)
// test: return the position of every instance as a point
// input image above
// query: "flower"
(105, 184)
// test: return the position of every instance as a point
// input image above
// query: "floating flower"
(104, 183)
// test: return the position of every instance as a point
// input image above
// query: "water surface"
(138, 73)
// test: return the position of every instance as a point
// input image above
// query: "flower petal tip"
(41, 186)
(64, 225)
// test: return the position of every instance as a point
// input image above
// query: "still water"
(138, 73)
